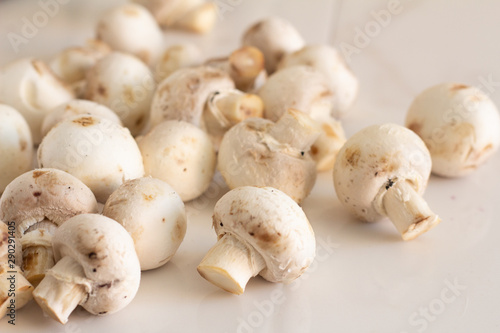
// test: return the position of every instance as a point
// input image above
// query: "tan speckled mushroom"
(382, 171)
(33, 89)
(132, 29)
(16, 146)
(153, 214)
(97, 268)
(259, 152)
(180, 154)
(260, 231)
(38, 202)
(459, 124)
(175, 57)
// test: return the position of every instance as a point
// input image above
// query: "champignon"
(259, 152)
(38, 202)
(180, 154)
(97, 268)
(31, 88)
(16, 146)
(331, 139)
(259, 231)
(99, 152)
(459, 124)
(175, 57)
(382, 171)
(132, 29)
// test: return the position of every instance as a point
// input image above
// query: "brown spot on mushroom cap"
(101, 90)
(23, 144)
(415, 127)
(148, 197)
(37, 194)
(352, 155)
(38, 173)
(85, 121)
(128, 95)
(314, 150)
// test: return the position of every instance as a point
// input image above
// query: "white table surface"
(364, 278)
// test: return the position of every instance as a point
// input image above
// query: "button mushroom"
(180, 154)
(459, 124)
(97, 268)
(132, 29)
(38, 202)
(99, 152)
(31, 88)
(16, 146)
(260, 231)
(153, 214)
(176, 57)
(275, 37)
(259, 152)
(382, 171)
(124, 84)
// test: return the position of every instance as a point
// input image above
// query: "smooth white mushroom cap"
(132, 29)
(182, 95)
(181, 155)
(31, 88)
(16, 146)
(300, 87)
(153, 214)
(372, 160)
(176, 57)
(328, 60)
(275, 37)
(123, 83)
(99, 152)
(459, 124)
(77, 107)
(271, 223)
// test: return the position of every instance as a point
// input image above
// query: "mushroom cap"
(299, 87)
(77, 107)
(182, 95)
(106, 253)
(31, 88)
(175, 57)
(327, 60)
(168, 12)
(16, 146)
(45, 193)
(248, 155)
(132, 29)
(153, 214)
(125, 84)
(459, 124)
(372, 160)
(99, 152)
(180, 154)
(275, 37)
(270, 222)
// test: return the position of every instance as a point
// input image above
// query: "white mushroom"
(180, 154)
(259, 152)
(182, 95)
(382, 171)
(176, 57)
(15, 290)
(72, 64)
(259, 231)
(325, 149)
(459, 124)
(275, 37)
(16, 146)
(97, 268)
(124, 84)
(153, 214)
(31, 88)
(38, 202)
(132, 29)
(328, 60)
(99, 152)
(77, 107)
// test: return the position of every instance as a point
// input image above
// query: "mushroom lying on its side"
(97, 268)
(459, 124)
(382, 171)
(260, 231)
(153, 214)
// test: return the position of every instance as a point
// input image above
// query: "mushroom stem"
(23, 289)
(62, 289)
(230, 264)
(296, 129)
(408, 210)
(246, 66)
